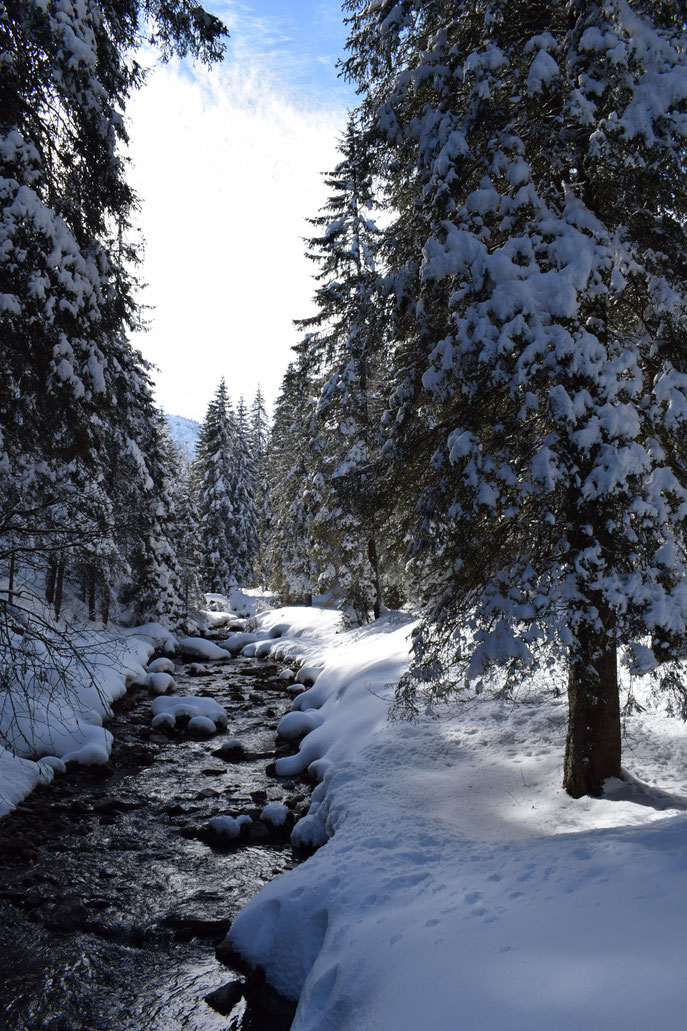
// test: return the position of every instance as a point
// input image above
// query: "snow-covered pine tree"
(345, 345)
(158, 590)
(291, 555)
(214, 472)
(259, 437)
(244, 530)
(66, 279)
(187, 538)
(535, 155)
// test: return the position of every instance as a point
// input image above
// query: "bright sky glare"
(228, 164)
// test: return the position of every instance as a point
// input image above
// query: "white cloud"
(228, 167)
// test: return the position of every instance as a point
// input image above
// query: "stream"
(113, 895)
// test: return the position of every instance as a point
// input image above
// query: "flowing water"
(112, 893)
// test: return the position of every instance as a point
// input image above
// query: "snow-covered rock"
(236, 642)
(160, 683)
(275, 814)
(297, 724)
(229, 826)
(202, 724)
(161, 665)
(198, 647)
(203, 713)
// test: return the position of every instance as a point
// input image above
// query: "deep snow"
(459, 886)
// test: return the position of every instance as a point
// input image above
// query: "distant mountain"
(184, 433)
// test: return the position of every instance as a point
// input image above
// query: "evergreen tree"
(187, 539)
(66, 274)
(214, 472)
(259, 440)
(244, 475)
(345, 343)
(158, 591)
(534, 154)
(292, 492)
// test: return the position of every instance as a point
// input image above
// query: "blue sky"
(302, 41)
(228, 164)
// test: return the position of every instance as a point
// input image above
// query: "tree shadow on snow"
(630, 789)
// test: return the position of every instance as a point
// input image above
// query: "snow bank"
(459, 886)
(45, 723)
(18, 778)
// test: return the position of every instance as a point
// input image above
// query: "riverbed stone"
(231, 750)
(223, 999)
(189, 925)
(258, 833)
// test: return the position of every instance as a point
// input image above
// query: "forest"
(483, 424)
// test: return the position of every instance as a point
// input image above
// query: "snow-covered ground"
(459, 886)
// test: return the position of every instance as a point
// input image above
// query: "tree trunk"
(58, 587)
(374, 562)
(592, 750)
(92, 612)
(10, 589)
(50, 581)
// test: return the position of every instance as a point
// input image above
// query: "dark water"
(112, 897)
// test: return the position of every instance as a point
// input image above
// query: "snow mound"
(18, 777)
(229, 826)
(163, 719)
(204, 714)
(160, 683)
(235, 642)
(307, 675)
(161, 665)
(199, 648)
(274, 813)
(202, 724)
(263, 649)
(296, 724)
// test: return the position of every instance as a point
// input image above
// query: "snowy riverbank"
(459, 886)
(62, 680)
(42, 730)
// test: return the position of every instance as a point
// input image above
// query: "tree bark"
(92, 578)
(58, 587)
(374, 562)
(50, 581)
(10, 590)
(592, 751)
